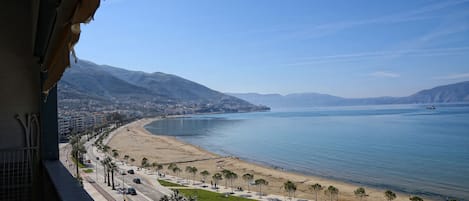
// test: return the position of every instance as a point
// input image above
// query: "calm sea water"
(401, 147)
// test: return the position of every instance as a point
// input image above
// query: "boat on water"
(431, 107)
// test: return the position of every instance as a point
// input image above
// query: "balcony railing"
(23, 177)
(17, 173)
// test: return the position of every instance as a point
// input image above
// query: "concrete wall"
(19, 71)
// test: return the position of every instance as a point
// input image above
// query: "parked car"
(121, 190)
(137, 181)
(122, 172)
(131, 191)
(130, 171)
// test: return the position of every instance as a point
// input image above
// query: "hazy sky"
(347, 48)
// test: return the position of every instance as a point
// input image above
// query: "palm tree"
(126, 158)
(106, 148)
(290, 188)
(316, 188)
(132, 160)
(231, 176)
(153, 165)
(159, 167)
(360, 192)
(176, 171)
(103, 162)
(248, 179)
(113, 168)
(193, 171)
(415, 198)
(216, 178)
(226, 174)
(171, 166)
(389, 195)
(107, 161)
(78, 148)
(204, 174)
(144, 162)
(115, 154)
(331, 191)
(260, 182)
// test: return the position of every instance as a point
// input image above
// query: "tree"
(177, 170)
(171, 166)
(132, 160)
(231, 176)
(225, 174)
(106, 164)
(106, 148)
(115, 153)
(415, 198)
(248, 179)
(216, 178)
(389, 195)
(332, 191)
(316, 188)
(78, 148)
(144, 162)
(260, 183)
(204, 174)
(103, 163)
(290, 188)
(113, 167)
(193, 171)
(156, 166)
(126, 158)
(360, 192)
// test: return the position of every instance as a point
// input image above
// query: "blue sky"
(345, 48)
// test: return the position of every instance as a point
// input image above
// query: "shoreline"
(165, 149)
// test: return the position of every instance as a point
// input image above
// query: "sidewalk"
(96, 192)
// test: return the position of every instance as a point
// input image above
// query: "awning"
(65, 34)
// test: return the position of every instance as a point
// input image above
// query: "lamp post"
(123, 187)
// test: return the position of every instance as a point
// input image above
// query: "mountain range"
(458, 92)
(86, 83)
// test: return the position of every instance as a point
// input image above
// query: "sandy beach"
(137, 142)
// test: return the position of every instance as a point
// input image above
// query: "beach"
(134, 140)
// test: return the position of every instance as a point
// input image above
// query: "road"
(146, 191)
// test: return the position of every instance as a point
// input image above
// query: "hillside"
(458, 92)
(88, 85)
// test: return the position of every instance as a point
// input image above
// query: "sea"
(404, 148)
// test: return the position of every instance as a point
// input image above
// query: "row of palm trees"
(109, 167)
(333, 192)
(229, 176)
(289, 187)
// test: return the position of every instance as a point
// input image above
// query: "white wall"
(19, 71)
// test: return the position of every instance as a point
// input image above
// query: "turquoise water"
(400, 147)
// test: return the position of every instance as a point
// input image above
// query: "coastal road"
(145, 191)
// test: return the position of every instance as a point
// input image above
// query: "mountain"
(458, 92)
(91, 86)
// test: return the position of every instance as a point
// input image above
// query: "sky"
(345, 48)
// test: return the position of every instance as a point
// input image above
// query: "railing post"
(49, 127)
